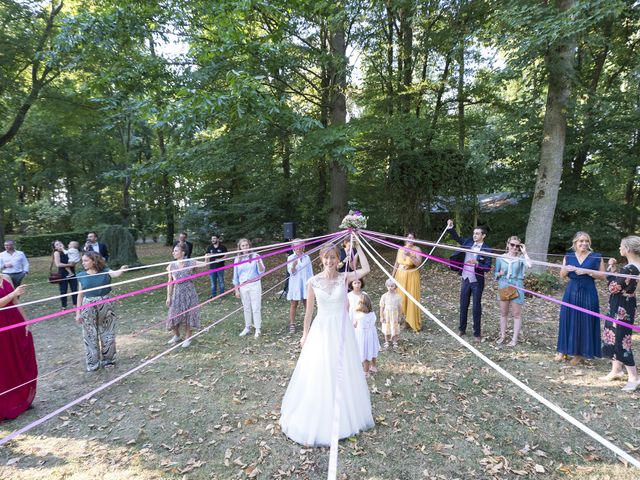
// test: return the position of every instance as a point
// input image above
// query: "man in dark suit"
(476, 266)
(188, 249)
(93, 245)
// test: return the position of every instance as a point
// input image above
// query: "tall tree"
(559, 61)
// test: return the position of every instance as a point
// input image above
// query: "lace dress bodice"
(331, 294)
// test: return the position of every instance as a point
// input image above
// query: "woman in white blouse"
(246, 278)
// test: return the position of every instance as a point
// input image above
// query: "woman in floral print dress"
(616, 338)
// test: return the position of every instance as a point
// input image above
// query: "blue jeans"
(217, 279)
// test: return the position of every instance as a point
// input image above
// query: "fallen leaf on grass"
(539, 468)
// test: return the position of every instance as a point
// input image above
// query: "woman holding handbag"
(66, 274)
(509, 272)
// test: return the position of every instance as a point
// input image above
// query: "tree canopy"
(236, 116)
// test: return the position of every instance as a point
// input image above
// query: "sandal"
(292, 328)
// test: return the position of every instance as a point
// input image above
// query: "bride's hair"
(330, 247)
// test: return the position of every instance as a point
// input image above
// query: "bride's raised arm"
(364, 267)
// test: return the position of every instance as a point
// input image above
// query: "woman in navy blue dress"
(579, 333)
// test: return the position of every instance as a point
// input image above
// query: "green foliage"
(234, 133)
(199, 223)
(39, 245)
(544, 282)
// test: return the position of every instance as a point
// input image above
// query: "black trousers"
(65, 285)
(468, 290)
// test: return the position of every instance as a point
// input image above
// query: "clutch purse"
(507, 294)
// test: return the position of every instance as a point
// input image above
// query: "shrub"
(544, 282)
(39, 245)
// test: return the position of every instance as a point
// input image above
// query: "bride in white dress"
(307, 412)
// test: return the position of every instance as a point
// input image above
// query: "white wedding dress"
(307, 412)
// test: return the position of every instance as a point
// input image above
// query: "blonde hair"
(513, 238)
(577, 236)
(632, 242)
(364, 304)
(244, 240)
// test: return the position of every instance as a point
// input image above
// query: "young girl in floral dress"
(390, 314)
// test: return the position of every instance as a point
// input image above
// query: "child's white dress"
(308, 404)
(353, 298)
(367, 335)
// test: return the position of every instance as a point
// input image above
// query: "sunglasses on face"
(514, 245)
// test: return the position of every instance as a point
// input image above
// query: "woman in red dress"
(17, 355)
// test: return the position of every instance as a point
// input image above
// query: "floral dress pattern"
(616, 339)
(183, 297)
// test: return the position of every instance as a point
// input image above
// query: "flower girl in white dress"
(329, 373)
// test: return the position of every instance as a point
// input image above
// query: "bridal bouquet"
(354, 219)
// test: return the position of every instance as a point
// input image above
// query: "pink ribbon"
(104, 386)
(540, 295)
(160, 285)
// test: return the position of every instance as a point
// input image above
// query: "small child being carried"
(364, 321)
(73, 253)
(390, 314)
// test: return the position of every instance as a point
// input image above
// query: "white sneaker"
(258, 332)
(186, 343)
(174, 340)
(245, 332)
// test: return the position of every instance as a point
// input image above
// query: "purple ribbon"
(160, 285)
(540, 295)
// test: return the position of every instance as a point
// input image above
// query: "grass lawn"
(211, 411)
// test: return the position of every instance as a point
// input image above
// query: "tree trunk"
(559, 62)
(438, 107)
(631, 188)
(390, 89)
(461, 126)
(338, 117)
(167, 191)
(406, 27)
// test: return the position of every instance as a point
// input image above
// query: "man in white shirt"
(13, 263)
(476, 266)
